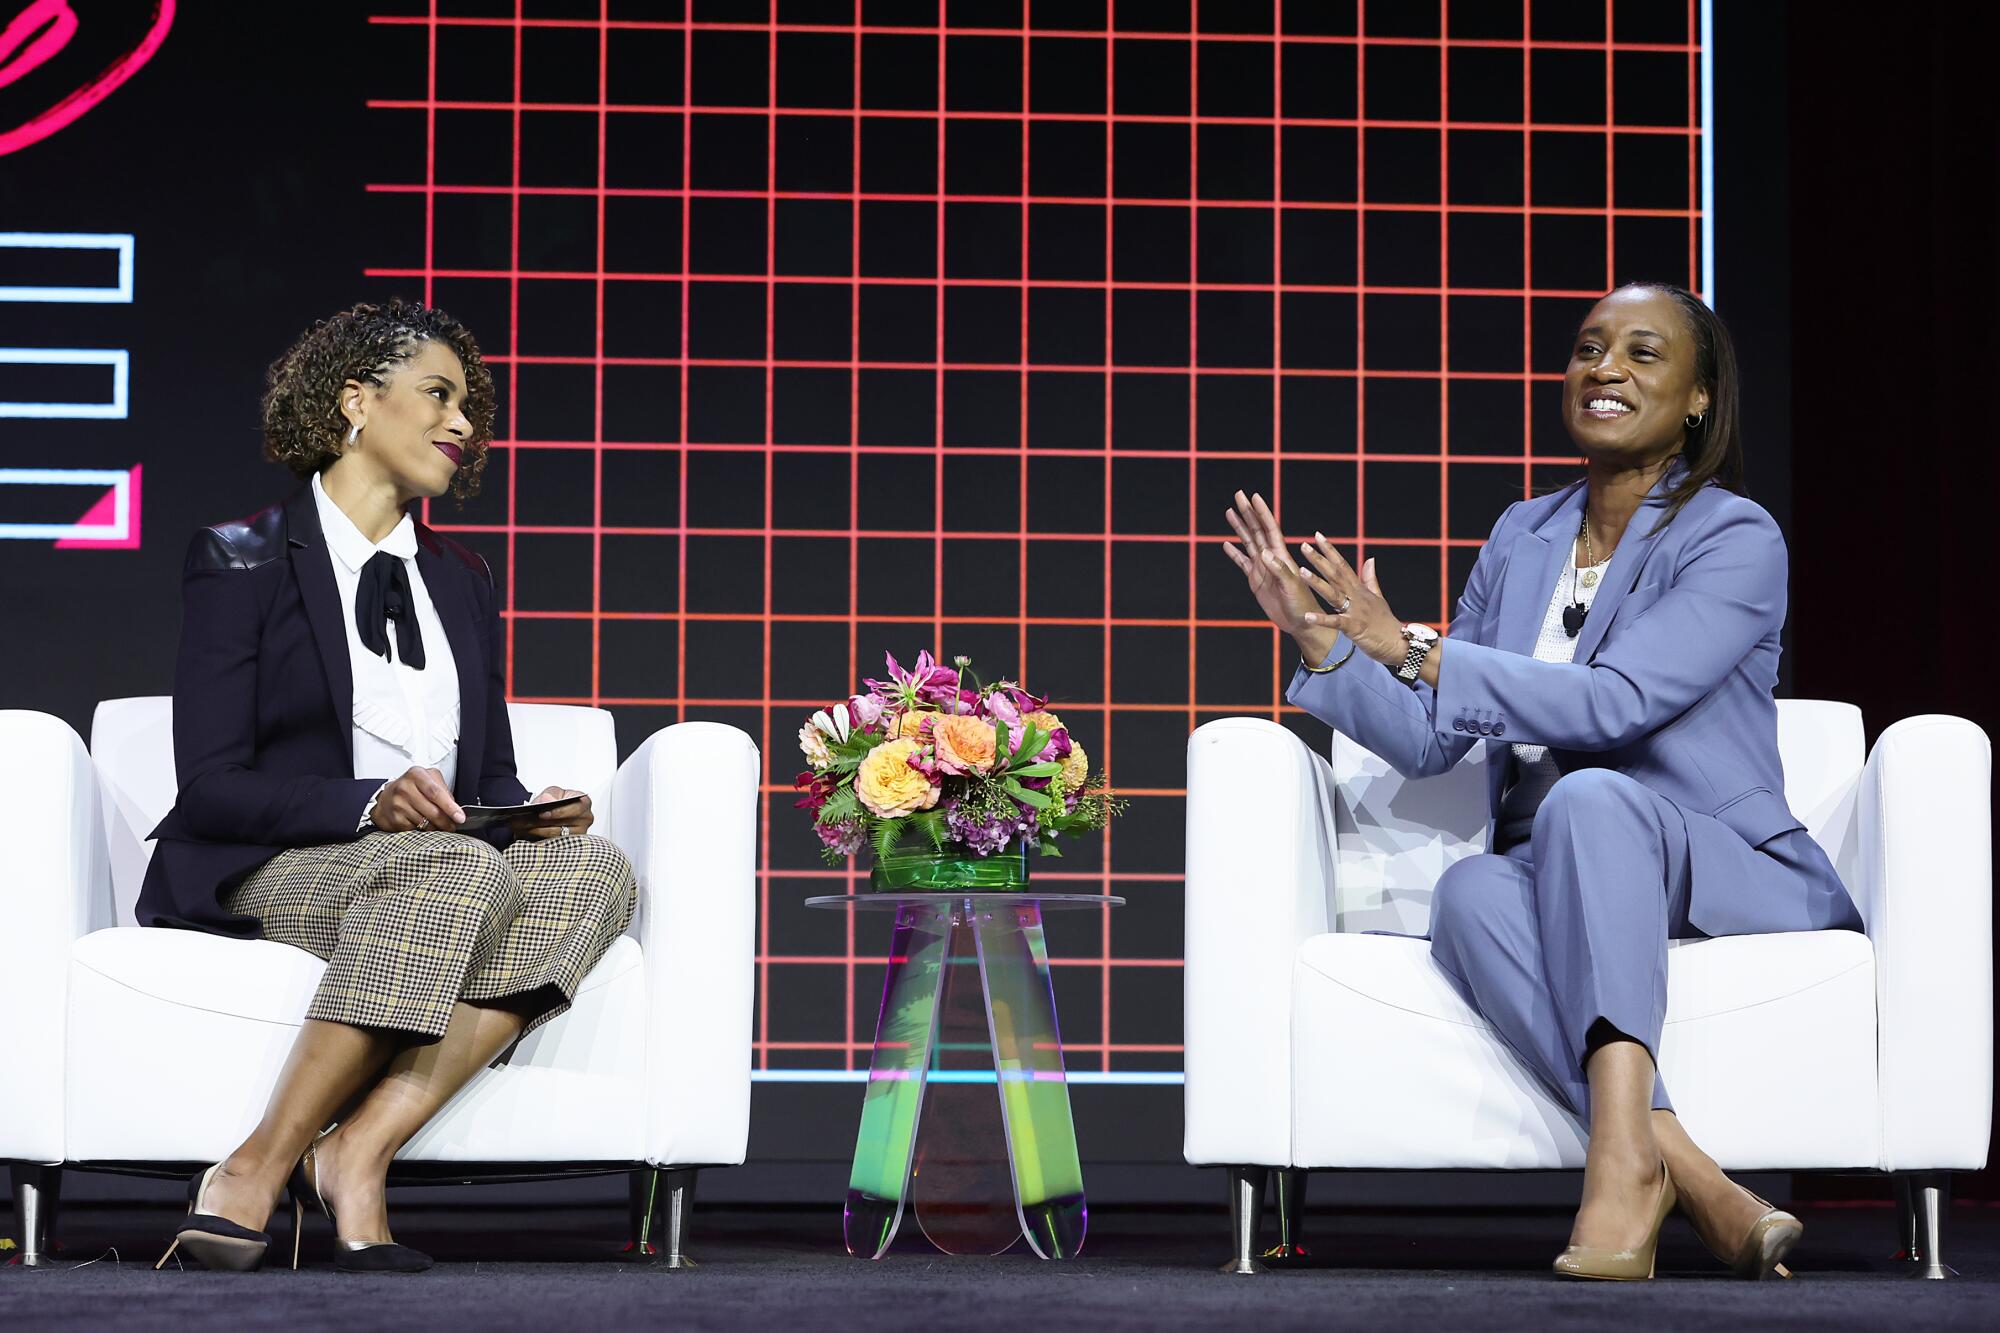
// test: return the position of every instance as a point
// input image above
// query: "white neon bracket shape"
(120, 242)
(118, 359)
(120, 482)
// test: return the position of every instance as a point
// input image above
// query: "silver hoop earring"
(1693, 421)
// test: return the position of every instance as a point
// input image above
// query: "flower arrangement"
(976, 770)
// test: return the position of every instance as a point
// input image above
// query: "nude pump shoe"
(1621, 1265)
(1771, 1238)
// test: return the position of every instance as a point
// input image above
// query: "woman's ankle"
(353, 1156)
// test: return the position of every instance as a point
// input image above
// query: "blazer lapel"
(452, 597)
(1633, 547)
(1533, 565)
(313, 567)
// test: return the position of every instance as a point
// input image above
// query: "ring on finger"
(422, 822)
(1341, 610)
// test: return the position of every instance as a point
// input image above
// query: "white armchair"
(153, 1050)
(1314, 1046)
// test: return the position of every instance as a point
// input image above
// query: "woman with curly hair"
(338, 701)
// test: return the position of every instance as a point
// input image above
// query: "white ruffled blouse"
(403, 717)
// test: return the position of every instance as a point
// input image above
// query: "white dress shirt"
(403, 717)
(1537, 773)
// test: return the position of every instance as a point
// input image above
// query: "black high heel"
(216, 1242)
(349, 1256)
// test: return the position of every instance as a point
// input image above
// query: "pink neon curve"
(61, 24)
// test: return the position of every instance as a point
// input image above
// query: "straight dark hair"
(1714, 449)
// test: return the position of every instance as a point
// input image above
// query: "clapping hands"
(1314, 601)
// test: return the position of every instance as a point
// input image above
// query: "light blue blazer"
(1671, 686)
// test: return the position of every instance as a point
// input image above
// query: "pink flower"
(927, 682)
(845, 837)
(1001, 709)
(865, 709)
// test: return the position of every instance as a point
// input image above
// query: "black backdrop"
(246, 180)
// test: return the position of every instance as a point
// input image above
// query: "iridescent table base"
(966, 1119)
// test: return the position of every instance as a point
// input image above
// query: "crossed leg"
(1562, 946)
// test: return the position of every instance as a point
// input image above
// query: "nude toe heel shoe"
(1771, 1238)
(1621, 1265)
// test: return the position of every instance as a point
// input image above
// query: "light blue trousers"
(1561, 941)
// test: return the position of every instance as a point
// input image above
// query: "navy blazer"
(1672, 686)
(264, 707)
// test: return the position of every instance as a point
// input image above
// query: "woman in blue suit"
(1615, 649)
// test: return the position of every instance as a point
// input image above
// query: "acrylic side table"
(966, 1119)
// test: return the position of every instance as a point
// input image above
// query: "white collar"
(345, 540)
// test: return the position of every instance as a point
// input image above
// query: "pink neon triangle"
(104, 513)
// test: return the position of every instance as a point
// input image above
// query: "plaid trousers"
(411, 923)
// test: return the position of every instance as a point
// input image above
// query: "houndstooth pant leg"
(577, 896)
(410, 923)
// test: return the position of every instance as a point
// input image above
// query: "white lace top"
(1537, 773)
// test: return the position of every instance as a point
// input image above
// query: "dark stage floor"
(508, 1268)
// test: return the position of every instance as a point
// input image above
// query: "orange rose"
(964, 744)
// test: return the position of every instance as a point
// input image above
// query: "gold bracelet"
(1321, 671)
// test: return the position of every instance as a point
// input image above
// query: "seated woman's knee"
(1474, 894)
(1589, 796)
(609, 855)
(476, 881)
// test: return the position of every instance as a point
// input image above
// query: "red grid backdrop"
(1119, 981)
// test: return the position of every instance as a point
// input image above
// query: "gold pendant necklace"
(1573, 614)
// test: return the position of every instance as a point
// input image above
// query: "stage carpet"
(503, 1268)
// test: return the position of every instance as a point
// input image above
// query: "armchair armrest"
(55, 886)
(1260, 880)
(685, 811)
(1924, 886)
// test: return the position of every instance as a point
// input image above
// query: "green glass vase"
(925, 870)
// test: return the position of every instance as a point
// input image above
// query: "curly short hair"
(303, 425)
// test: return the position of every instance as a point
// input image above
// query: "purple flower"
(981, 832)
(845, 838)
(926, 683)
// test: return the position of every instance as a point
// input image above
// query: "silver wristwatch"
(1421, 638)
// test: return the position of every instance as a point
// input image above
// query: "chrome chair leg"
(677, 1197)
(1907, 1239)
(1931, 1194)
(1246, 1214)
(37, 1190)
(1291, 1183)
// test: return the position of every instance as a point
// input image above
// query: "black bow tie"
(382, 596)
